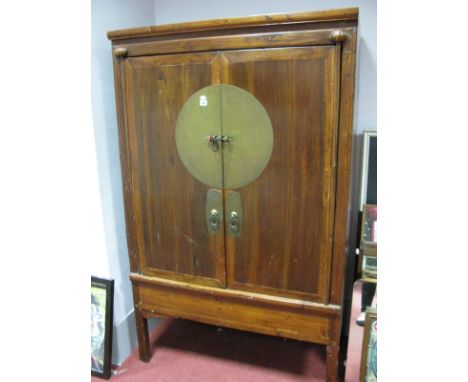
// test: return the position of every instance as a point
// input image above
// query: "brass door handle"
(214, 219)
(234, 222)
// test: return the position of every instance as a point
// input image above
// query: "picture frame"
(368, 371)
(369, 224)
(368, 244)
(102, 306)
(368, 191)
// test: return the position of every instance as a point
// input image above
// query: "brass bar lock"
(216, 140)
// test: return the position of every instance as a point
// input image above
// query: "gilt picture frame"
(102, 297)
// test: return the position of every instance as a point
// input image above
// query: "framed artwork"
(369, 223)
(368, 194)
(369, 348)
(368, 243)
(102, 297)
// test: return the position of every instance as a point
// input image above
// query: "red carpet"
(185, 351)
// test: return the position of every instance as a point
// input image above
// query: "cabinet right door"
(285, 244)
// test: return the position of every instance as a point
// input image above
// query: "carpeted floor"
(185, 351)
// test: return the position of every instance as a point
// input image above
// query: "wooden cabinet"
(235, 141)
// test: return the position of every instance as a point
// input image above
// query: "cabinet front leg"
(143, 336)
(332, 363)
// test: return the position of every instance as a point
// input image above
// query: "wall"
(109, 15)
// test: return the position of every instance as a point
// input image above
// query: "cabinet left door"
(168, 228)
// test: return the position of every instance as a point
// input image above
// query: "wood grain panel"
(285, 247)
(334, 15)
(119, 82)
(286, 318)
(250, 264)
(244, 41)
(345, 139)
(168, 202)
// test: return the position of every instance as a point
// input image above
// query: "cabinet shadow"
(258, 350)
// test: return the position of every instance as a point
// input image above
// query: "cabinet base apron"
(277, 316)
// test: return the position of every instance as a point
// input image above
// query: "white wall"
(173, 11)
(109, 15)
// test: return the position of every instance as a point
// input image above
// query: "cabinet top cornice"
(334, 15)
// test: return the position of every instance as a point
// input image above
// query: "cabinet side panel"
(340, 248)
(119, 83)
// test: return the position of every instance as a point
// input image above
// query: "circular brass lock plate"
(224, 136)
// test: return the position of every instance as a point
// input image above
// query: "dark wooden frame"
(366, 138)
(108, 286)
(318, 323)
(371, 316)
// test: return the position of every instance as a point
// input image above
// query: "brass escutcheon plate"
(224, 111)
(234, 213)
(214, 214)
